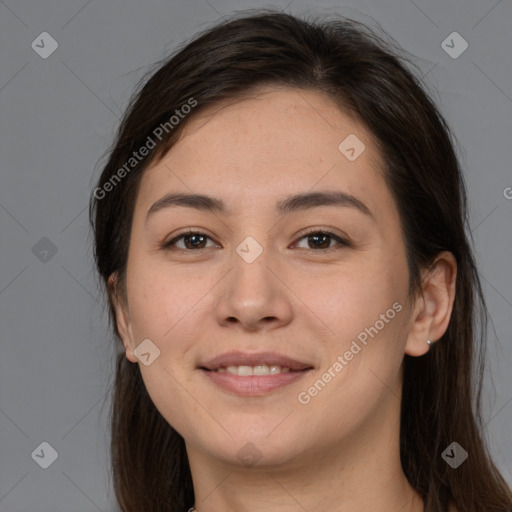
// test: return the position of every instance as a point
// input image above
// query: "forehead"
(283, 124)
(273, 142)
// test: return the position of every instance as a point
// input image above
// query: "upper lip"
(237, 358)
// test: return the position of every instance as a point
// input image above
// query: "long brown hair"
(368, 78)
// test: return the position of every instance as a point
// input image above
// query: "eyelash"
(167, 246)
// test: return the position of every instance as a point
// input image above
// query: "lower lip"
(253, 384)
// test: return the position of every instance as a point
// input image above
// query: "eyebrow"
(297, 202)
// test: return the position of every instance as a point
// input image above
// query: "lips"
(238, 358)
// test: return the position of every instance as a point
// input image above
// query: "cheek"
(353, 298)
(163, 309)
(161, 297)
(367, 318)
(361, 375)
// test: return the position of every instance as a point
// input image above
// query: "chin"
(255, 451)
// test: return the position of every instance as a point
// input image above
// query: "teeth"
(241, 370)
(263, 369)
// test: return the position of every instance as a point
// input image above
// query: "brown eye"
(192, 240)
(322, 240)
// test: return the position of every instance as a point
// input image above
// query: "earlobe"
(122, 317)
(434, 305)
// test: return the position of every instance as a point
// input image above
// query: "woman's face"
(253, 281)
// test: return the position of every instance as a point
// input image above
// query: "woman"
(280, 228)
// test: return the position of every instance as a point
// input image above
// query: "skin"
(340, 451)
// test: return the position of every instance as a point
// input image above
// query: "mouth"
(247, 371)
(253, 374)
(254, 363)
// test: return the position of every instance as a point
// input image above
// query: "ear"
(122, 317)
(433, 306)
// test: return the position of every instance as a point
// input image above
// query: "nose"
(254, 295)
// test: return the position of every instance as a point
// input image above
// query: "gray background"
(58, 116)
